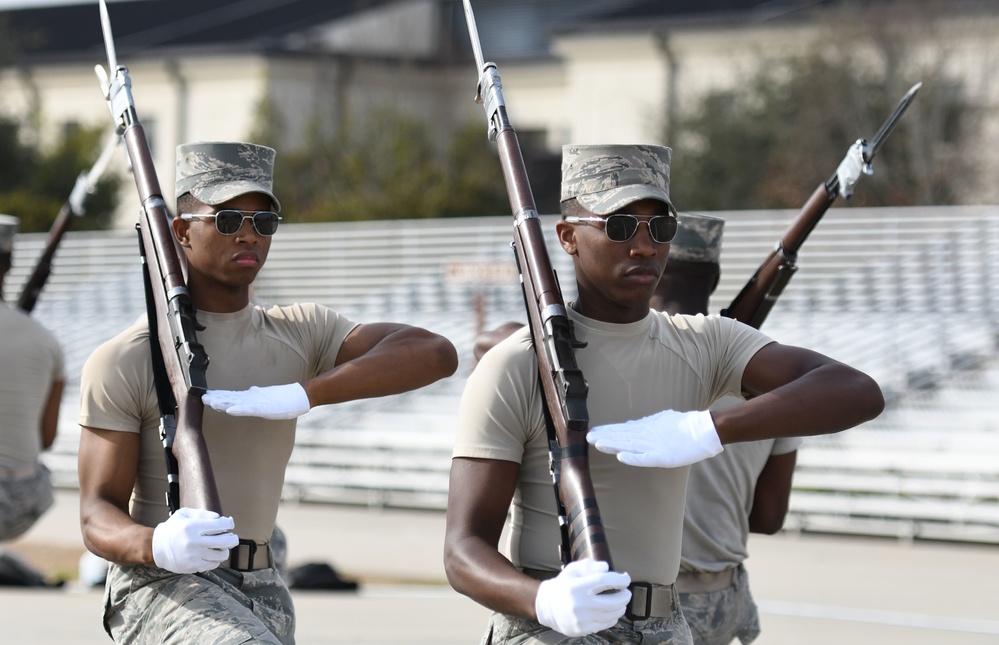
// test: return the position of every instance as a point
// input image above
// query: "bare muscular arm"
(773, 490)
(107, 466)
(50, 415)
(794, 391)
(478, 500)
(379, 359)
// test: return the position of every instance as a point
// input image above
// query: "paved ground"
(811, 589)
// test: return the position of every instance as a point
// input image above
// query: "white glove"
(272, 402)
(669, 439)
(571, 602)
(193, 540)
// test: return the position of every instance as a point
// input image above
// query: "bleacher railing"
(909, 295)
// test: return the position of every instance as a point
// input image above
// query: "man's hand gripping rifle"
(86, 184)
(563, 385)
(171, 313)
(759, 295)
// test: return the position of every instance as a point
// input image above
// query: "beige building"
(184, 91)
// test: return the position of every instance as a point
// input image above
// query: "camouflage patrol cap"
(605, 178)
(698, 238)
(217, 171)
(8, 229)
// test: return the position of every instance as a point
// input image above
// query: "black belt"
(647, 599)
(249, 556)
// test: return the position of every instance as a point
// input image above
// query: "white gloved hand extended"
(272, 402)
(668, 439)
(571, 602)
(193, 540)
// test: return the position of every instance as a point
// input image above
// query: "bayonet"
(116, 87)
(857, 161)
(108, 36)
(879, 138)
(86, 182)
(473, 35)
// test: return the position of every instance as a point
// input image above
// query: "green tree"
(769, 142)
(35, 183)
(8, 43)
(386, 165)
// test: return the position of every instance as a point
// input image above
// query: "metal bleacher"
(908, 295)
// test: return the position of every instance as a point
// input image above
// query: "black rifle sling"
(164, 393)
(555, 465)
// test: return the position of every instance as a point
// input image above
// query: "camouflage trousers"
(719, 617)
(511, 630)
(146, 604)
(279, 551)
(23, 500)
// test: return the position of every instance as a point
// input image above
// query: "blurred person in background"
(745, 488)
(31, 384)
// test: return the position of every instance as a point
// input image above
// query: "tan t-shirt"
(255, 346)
(30, 362)
(720, 497)
(634, 370)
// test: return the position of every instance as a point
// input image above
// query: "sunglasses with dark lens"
(621, 227)
(229, 221)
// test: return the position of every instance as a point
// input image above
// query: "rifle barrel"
(562, 382)
(185, 361)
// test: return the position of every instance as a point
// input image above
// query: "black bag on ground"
(319, 576)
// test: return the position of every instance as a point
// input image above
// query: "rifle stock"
(754, 302)
(43, 266)
(760, 293)
(86, 183)
(183, 357)
(563, 384)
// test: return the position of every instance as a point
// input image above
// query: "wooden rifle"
(758, 296)
(86, 184)
(171, 313)
(563, 387)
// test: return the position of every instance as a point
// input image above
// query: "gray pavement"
(811, 589)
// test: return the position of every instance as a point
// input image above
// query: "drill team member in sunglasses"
(652, 377)
(194, 576)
